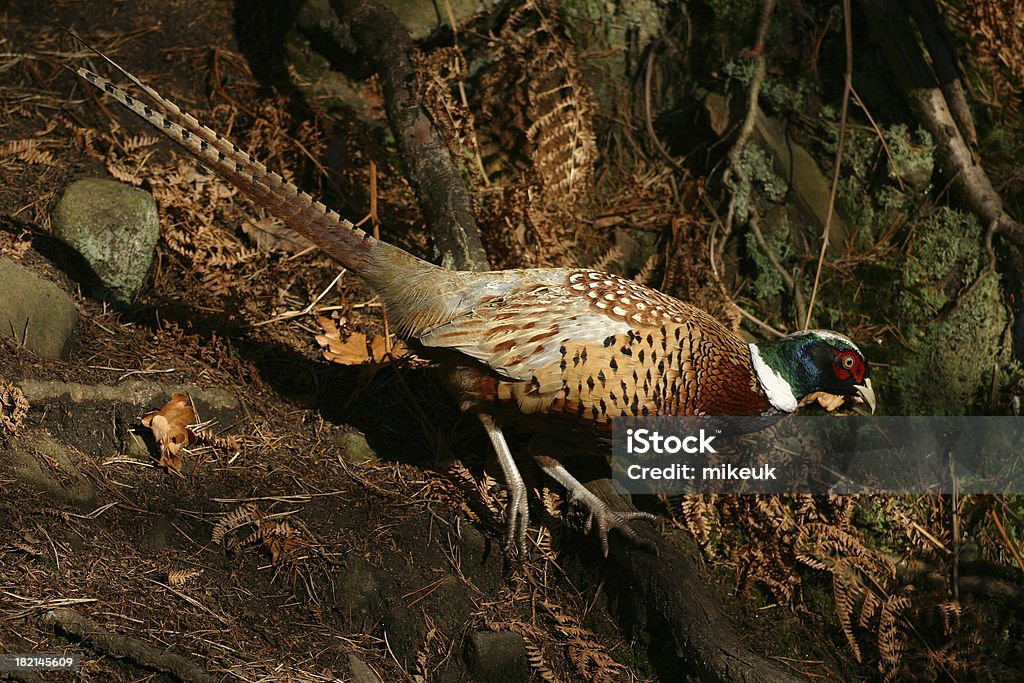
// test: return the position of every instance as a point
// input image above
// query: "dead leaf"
(170, 429)
(13, 408)
(378, 348)
(353, 351)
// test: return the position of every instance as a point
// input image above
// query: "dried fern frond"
(247, 513)
(588, 655)
(892, 640)
(29, 151)
(994, 26)
(538, 88)
(13, 409)
(538, 111)
(176, 578)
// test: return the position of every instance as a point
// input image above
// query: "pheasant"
(557, 349)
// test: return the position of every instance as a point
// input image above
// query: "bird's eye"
(848, 362)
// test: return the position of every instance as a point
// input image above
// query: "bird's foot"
(517, 521)
(601, 515)
(603, 518)
(517, 512)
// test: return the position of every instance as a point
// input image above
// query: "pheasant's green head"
(813, 365)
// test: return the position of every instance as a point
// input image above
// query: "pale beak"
(867, 394)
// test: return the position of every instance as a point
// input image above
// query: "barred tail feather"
(336, 236)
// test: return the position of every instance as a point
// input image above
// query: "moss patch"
(949, 369)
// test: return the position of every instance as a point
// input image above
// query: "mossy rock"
(950, 367)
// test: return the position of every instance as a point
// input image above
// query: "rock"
(360, 670)
(35, 457)
(811, 188)
(405, 633)
(114, 227)
(497, 657)
(160, 530)
(480, 561)
(360, 590)
(355, 447)
(38, 313)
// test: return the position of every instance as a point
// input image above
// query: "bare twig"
(787, 279)
(1012, 547)
(649, 117)
(736, 168)
(837, 164)
(753, 95)
(917, 81)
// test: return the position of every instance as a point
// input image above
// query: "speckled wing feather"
(596, 346)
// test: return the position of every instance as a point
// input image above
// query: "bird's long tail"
(397, 275)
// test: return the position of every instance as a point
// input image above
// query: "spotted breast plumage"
(544, 346)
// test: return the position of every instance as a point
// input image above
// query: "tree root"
(76, 624)
(942, 111)
(443, 196)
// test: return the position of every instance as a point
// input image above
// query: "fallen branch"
(443, 196)
(668, 587)
(915, 79)
(134, 650)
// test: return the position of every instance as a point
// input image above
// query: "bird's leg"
(518, 515)
(604, 517)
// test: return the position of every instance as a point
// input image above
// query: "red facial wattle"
(848, 364)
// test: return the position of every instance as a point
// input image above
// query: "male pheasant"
(562, 348)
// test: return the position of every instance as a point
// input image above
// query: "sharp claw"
(607, 518)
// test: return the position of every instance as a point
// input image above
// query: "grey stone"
(481, 560)
(812, 189)
(498, 657)
(160, 531)
(360, 670)
(44, 463)
(355, 447)
(360, 590)
(115, 228)
(36, 312)
(405, 633)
